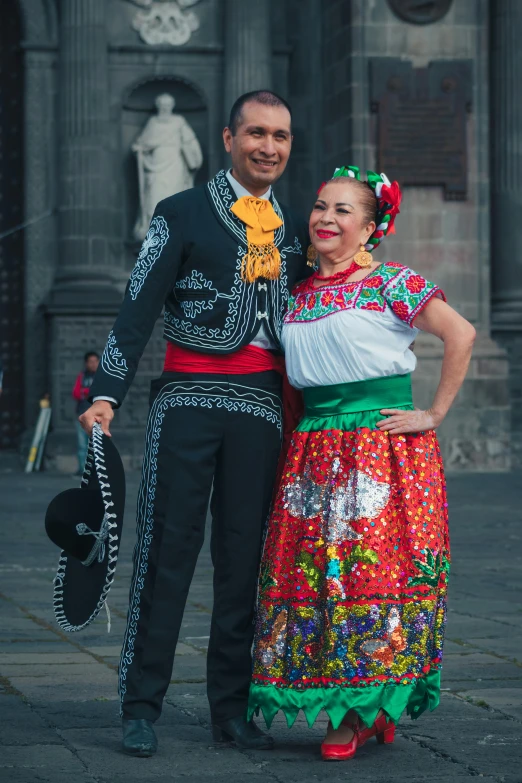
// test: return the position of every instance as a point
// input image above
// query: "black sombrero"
(86, 524)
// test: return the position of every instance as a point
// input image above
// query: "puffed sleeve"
(407, 293)
(149, 285)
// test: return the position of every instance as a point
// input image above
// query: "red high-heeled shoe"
(341, 752)
(382, 729)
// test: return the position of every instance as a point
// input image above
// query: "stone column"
(506, 198)
(84, 298)
(248, 51)
(506, 164)
(39, 195)
(84, 196)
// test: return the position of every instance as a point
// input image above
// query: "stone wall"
(320, 52)
(82, 307)
(72, 335)
(446, 241)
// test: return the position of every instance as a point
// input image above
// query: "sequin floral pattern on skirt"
(353, 579)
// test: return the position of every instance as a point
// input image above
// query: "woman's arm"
(458, 336)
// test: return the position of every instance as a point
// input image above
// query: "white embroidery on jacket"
(153, 244)
(241, 296)
(112, 361)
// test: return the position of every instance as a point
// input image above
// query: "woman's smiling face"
(339, 220)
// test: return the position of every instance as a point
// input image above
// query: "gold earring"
(363, 257)
(311, 256)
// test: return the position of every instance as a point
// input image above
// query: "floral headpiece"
(388, 195)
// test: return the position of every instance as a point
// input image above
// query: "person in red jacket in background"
(80, 393)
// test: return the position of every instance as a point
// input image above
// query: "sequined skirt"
(352, 593)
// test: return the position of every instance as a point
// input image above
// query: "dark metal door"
(11, 215)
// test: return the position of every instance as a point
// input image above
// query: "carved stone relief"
(165, 21)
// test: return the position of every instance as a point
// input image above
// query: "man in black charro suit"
(205, 429)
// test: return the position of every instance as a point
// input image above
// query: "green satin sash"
(350, 406)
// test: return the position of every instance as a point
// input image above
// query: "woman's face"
(337, 224)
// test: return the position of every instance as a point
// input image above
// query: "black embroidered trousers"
(206, 433)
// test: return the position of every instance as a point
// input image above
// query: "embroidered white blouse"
(355, 331)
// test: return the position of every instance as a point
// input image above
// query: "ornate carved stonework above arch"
(165, 21)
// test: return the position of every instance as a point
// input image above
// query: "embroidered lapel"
(222, 196)
(280, 232)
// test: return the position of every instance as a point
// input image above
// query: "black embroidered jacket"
(190, 263)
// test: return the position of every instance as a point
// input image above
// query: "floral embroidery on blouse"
(390, 285)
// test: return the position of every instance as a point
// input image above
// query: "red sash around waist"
(249, 359)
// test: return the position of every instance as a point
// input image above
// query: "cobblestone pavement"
(58, 702)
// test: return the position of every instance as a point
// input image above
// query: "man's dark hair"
(89, 354)
(265, 97)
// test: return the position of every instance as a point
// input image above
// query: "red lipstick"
(323, 234)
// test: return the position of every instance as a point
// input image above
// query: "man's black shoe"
(139, 738)
(245, 734)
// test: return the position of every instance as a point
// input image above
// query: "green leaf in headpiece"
(373, 178)
(347, 171)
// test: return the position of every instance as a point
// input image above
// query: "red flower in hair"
(415, 284)
(392, 195)
(401, 310)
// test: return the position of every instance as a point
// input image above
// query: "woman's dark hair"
(265, 97)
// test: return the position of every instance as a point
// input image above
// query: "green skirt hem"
(415, 697)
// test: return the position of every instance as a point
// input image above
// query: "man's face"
(91, 365)
(261, 146)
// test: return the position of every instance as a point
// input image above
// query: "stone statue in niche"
(165, 21)
(168, 156)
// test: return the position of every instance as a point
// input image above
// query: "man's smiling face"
(260, 147)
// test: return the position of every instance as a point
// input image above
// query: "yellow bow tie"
(262, 258)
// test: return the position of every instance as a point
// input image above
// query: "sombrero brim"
(80, 591)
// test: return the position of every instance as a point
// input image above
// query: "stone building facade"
(78, 80)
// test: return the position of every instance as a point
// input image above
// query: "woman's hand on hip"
(402, 422)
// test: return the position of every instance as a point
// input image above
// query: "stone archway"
(11, 216)
(31, 23)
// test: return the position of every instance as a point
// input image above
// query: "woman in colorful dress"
(352, 595)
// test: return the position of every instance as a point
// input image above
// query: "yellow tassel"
(262, 258)
(261, 261)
